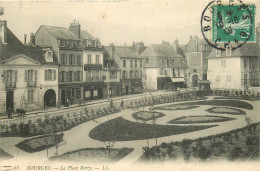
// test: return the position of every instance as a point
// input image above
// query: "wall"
(232, 68)
(151, 81)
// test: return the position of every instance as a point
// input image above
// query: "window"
(30, 75)
(245, 63)
(89, 58)
(30, 96)
(97, 59)
(63, 59)
(136, 74)
(72, 59)
(165, 72)
(131, 63)
(135, 63)
(228, 51)
(124, 63)
(124, 74)
(223, 63)
(161, 71)
(78, 59)
(141, 74)
(50, 75)
(141, 63)
(62, 43)
(178, 72)
(217, 78)
(62, 76)
(49, 56)
(131, 74)
(88, 75)
(96, 75)
(93, 43)
(78, 94)
(218, 52)
(253, 62)
(205, 47)
(70, 76)
(228, 78)
(11, 75)
(147, 60)
(77, 76)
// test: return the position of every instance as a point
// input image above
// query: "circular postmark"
(228, 24)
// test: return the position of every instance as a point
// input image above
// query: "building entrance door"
(195, 80)
(10, 100)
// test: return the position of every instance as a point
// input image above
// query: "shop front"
(167, 83)
(137, 85)
(70, 93)
(126, 87)
(93, 90)
(114, 89)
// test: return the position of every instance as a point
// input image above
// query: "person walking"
(122, 105)
(111, 104)
(9, 113)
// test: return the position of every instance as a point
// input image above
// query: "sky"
(112, 22)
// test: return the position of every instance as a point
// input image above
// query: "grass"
(226, 110)
(147, 115)
(231, 103)
(39, 143)
(94, 155)
(4, 155)
(119, 129)
(223, 97)
(199, 119)
(175, 107)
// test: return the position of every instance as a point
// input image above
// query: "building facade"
(196, 53)
(235, 69)
(70, 45)
(165, 66)
(29, 74)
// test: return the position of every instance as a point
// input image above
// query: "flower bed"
(175, 107)
(147, 115)
(231, 103)
(119, 129)
(93, 155)
(4, 155)
(199, 119)
(39, 143)
(226, 110)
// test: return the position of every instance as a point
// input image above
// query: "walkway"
(78, 137)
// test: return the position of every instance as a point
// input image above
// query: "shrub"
(204, 152)
(163, 145)
(251, 140)
(236, 153)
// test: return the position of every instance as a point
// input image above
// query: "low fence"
(104, 108)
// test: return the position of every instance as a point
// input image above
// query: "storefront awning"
(175, 80)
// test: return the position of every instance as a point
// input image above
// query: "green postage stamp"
(228, 24)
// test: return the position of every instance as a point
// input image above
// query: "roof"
(191, 46)
(162, 50)
(14, 47)
(123, 52)
(247, 50)
(178, 63)
(65, 33)
(108, 56)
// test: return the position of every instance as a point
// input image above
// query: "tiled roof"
(247, 50)
(108, 56)
(126, 52)
(65, 33)
(160, 50)
(178, 63)
(14, 47)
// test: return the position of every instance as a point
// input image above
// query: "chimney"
(176, 45)
(75, 28)
(139, 46)
(112, 46)
(25, 36)
(32, 39)
(3, 29)
(190, 37)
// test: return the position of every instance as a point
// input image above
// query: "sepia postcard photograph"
(122, 85)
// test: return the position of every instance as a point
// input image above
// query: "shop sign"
(92, 67)
(95, 93)
(87, 93)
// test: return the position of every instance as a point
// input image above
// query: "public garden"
(163, 128)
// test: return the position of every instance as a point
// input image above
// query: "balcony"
(31, 84)
(10, 85)
(92, 67)
(250, 82)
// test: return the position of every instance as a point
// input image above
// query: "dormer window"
(228, 51)
(62, 43)
(49, 56)
(218, 53)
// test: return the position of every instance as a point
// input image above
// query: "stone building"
(28, 74)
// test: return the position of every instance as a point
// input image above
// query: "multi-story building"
(236, 69)
(111, 73)
(70, 45)
(28, 74)
(165, 66)
(131, 65)
(196, 53)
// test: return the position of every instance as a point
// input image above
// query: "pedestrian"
(111, 104)
(122, 105)
(9, 113)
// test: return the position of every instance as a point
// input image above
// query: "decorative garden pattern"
(199, 119)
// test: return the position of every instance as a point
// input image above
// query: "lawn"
(147, 115)
(4, 155)
(93, 155)
(231, 103)
(199, 119)
(39, 143)
(175, 107)
(119, 129)
(226, 110)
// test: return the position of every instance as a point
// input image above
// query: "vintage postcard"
(129, 85)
